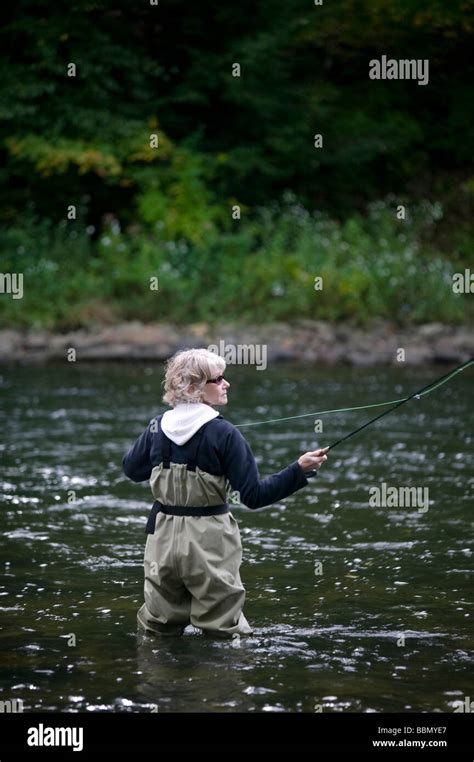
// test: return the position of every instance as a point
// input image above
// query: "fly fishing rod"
(398, 403)
(415, 395)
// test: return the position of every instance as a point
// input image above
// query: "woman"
(193, 458)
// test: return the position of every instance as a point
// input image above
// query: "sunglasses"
(217, 380)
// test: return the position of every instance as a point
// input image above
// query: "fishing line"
(396, 403)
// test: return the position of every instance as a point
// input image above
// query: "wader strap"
(166, 449)
(183, 510)
(192, 461)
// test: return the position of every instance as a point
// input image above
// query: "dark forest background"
(226, 142)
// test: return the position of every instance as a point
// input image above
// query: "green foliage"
(372, 265)
(178, 200)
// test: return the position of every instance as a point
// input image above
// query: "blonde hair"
(190, 366)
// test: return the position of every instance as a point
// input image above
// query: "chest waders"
(193, 551)
(184, 489)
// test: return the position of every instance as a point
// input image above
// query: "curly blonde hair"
(190, 366)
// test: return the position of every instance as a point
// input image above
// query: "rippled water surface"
(385, 626)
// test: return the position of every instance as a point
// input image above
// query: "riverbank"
(313, 341)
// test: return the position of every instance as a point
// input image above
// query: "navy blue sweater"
(223, 451)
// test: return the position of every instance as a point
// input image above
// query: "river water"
(354, 607)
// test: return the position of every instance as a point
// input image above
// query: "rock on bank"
(302, 341)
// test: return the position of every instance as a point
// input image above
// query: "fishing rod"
(415, 395)
(398, 403)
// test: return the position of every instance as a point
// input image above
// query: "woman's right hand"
(311, 461)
